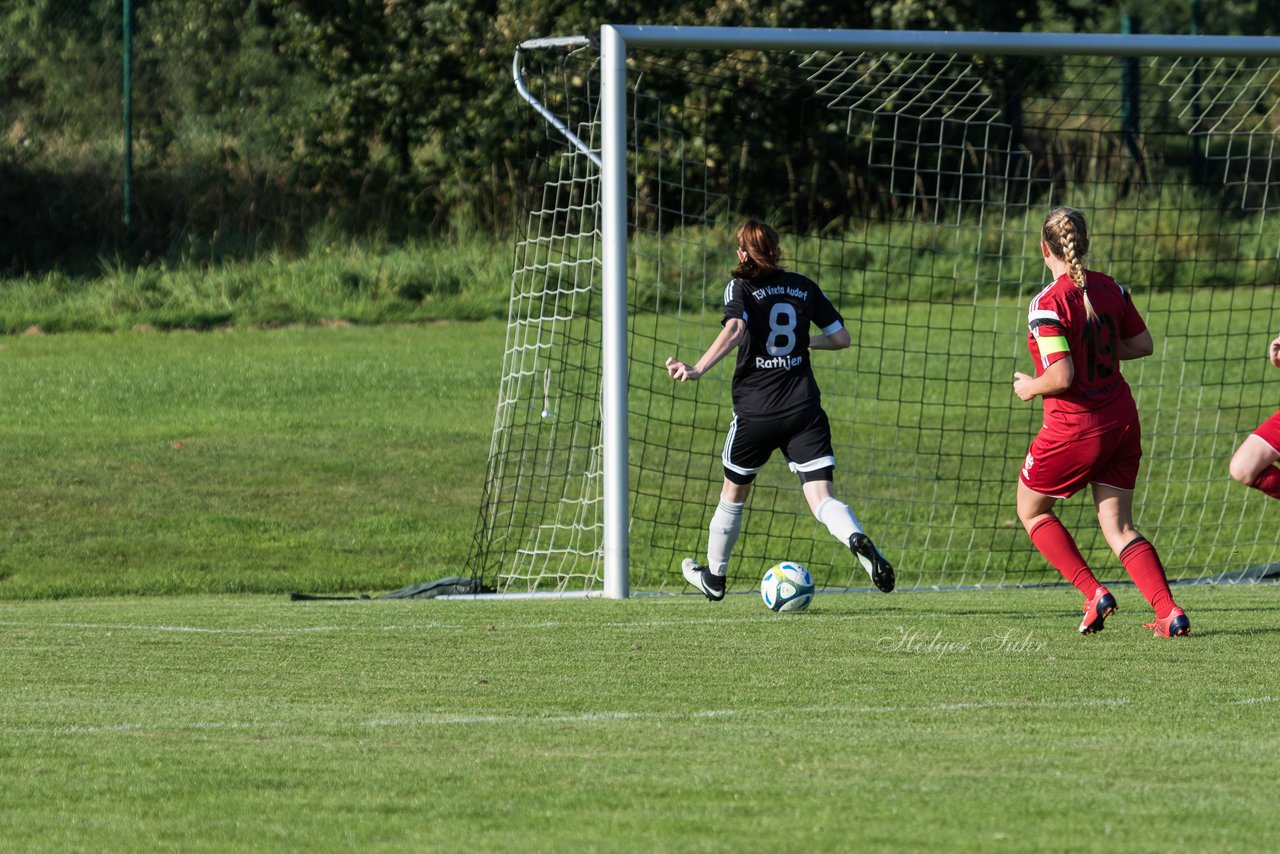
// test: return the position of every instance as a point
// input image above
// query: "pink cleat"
(1096, 611)
(1175, 625)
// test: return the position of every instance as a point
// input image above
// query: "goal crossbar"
(922, 41)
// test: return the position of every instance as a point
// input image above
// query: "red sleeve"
(1045, 320)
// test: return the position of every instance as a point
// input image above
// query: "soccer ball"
(787, 586)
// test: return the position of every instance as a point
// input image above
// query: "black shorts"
(803, 438)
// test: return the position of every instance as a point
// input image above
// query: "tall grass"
(465, 274)
(360, 282)
(1172, 238)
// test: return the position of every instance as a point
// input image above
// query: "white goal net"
(910, 185)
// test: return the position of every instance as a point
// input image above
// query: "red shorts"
(1061, 466)
(1269, 432)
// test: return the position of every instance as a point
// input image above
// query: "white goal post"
(604, 144)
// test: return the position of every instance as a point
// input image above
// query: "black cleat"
(872, 561)
(701, 578)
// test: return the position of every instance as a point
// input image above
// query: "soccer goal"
(908, 173)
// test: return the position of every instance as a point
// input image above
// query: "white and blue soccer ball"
(787, 586)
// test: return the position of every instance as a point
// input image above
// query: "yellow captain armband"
(1051, 345)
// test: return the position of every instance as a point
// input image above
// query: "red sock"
(1268, 481)
(1143, 565)
(1055, 543)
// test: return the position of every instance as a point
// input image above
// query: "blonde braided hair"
(1067, 235)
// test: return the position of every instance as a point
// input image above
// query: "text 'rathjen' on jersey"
(773, 377)
(1059, 327)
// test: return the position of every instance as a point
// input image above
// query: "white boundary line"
(442, 720)
(448, 720)
(137, 627)
(726, 619)
(532, 719)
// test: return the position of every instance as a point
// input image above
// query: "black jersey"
(773, 377)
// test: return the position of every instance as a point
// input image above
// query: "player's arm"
(1056, 379)
(735, 329)
(831, 339)
(1060, 368)
(1137, 347)
(1135, 339)
(834, 334)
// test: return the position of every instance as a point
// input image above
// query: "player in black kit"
(776, 402)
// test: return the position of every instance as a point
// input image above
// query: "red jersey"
(1098, 399)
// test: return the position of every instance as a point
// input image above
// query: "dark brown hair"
(762, 247)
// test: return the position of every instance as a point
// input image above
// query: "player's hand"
(680, 371)
(1022, 385)
(1275, 352)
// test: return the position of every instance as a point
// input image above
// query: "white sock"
(726, 522)
(839, 519)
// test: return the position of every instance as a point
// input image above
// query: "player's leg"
(810, 455)
(844, 526)
(1254, 462)
(726, 524)
(745, 451)
(1052, 471)
(1139, 557)
(1052, 539)
(1114, 480)
(807, 447)
(819, 494)
(722, 534)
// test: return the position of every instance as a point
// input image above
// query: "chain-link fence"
(166, 129)
(138, 133)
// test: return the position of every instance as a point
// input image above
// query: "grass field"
(972, 721)
(243, 460)
(161, 492)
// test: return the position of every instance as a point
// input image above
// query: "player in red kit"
(1254, 462)
(1081, 327)
(776, 403)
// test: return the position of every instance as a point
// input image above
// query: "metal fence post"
(127, 97)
